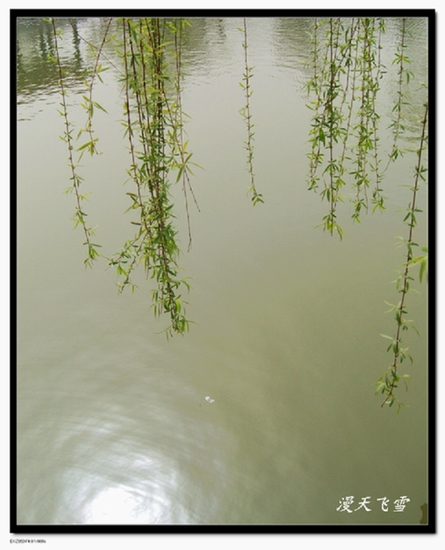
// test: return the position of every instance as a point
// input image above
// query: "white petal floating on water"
(209, 399)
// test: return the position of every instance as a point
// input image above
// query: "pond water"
(264, 413)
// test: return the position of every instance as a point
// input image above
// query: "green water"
(113, 424)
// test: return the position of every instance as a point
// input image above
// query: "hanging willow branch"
(152, 131)
(316, 134)
(79, 214)
(176, 113)
(154, 128)
(246, 114)
(333, 84)
(345, 145)
(344, 135)
(333, 117)
(366, 128)
(379, 69)
(388, 382)
(89, 104)
(404, 76)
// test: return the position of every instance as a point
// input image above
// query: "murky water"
(265, 412)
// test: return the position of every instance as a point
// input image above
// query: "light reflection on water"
(110, 455)
(113, 422)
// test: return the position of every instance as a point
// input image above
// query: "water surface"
(113, 422)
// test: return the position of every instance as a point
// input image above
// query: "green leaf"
(380, 388)
(422, 268)
(87, 144)
(99, 106)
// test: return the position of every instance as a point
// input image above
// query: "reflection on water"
(113, 421)
(36, 74)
